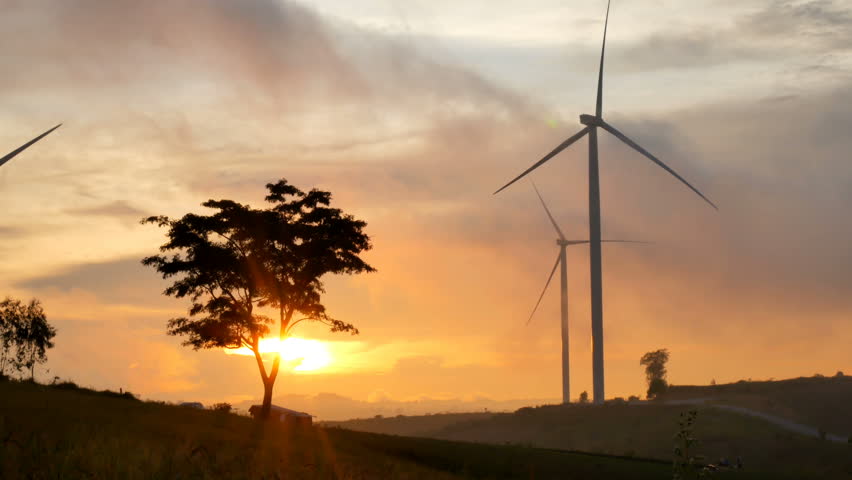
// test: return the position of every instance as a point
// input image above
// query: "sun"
(301, 354)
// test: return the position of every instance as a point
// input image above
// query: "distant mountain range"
(330, 406)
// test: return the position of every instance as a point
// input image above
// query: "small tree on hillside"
(25, 336)
(240, 260)
(655, 371)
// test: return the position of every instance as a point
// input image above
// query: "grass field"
(822, 402)
(59, 433)
(635, 431)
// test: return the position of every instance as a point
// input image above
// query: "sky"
(412, 113)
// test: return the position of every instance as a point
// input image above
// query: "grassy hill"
(66, 432)
(822, 402)
(635, 430)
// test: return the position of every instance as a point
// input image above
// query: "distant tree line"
(26, 336)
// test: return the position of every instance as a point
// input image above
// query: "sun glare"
(301, 354)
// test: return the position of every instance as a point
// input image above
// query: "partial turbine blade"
(558, 258)
(627, 241)
(562, 146)
(654, 159)
(599, 105)
(26, 145)
(547, 210)
(580, 242)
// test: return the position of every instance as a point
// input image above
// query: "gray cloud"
(124, 281)
(118, 209)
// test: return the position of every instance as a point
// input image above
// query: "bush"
(66, 385)
(633, 398)
(839, 374)
(223, 407)
(584, 397)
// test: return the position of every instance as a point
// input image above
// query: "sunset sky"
(412, 113)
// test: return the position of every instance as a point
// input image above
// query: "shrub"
(66, 385)
(223, 407)
(584, 397)
(633, 398)
(839, 374)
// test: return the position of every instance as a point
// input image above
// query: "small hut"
(284, 415)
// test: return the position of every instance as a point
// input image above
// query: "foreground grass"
(55, 433)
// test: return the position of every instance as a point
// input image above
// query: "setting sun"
(304, 355)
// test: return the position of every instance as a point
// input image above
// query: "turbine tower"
(562, 261)
(592, 123)
(23, 147)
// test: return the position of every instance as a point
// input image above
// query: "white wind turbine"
(592, 123)
(561, 260)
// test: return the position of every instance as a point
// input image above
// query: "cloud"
(119, 209)
(125, 281)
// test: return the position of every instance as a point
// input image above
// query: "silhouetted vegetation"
(239, 260)
(686, 463)
(223, 407)
(655, 371)
(26, 336)
(584, 397)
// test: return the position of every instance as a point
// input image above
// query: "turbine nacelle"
(591, 120)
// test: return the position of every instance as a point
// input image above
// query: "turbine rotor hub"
(590, 120)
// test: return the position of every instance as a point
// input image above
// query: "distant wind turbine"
(592, 122)
(23, 147)
(562, 261)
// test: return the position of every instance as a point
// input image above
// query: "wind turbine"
(562, 261)
(23, 147)
(592, 123)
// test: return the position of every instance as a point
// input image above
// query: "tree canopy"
(25, 336)
(239, 262)
(655, 371)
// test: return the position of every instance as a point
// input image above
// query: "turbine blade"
(562, 146)
(558, 258)
(25, 146)
(599, 105)
(580, 242)
(547, 210)
(641, 242)
(654, 159)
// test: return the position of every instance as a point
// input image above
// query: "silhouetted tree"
(584, 397)
(655, 371)
(25, 334)
(239, 260)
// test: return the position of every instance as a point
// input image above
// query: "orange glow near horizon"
(304, 355)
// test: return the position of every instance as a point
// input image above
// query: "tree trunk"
(267, 399)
